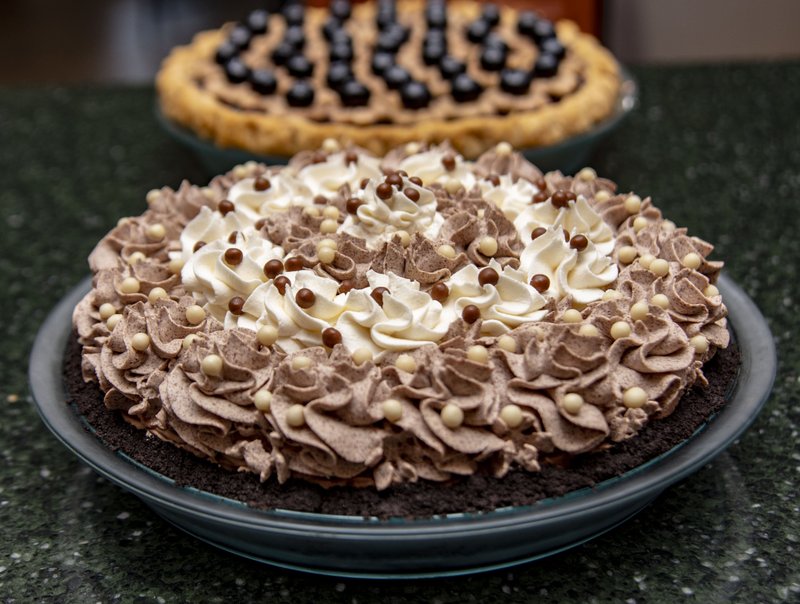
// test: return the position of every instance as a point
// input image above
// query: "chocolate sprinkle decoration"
(439, 292)
(579, 242)
(235, 305)
(198, 245)
(384, 190)
(345, 286)
(395, 179)
(541, 283)
(351, 157)
(488, 276)
(261, 184)
(471, 313)
(566, 235)
(494, 179)
(320, 200)
(449, 163)
(412, 194)
(353, 204)
(233, 256)
(280, 284)
(293, 264)
(305, 298)
(364, 183)
(331, 337)
(538, 232)
(377, 294)
(273, 268)
(233, 236)
(260, 223)
(416, 180)
(561, 199)
(225, 206)
(540, 197)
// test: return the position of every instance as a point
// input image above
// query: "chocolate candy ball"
(294, 13)
(540, 283)
(515, 81)
(263, 81)
(235, 305)
(465, 89)
(493, 59)
(450, 67)
(299, 66)
(552, 46)
(546, 66)
(280, 284)
(301, 94)
(240, 37)
(273, 268)
(236, 71)
(338, 74)
(471, 313)
(395, 77)
(415, 95)
(341, 9)
(542, 30)
(331, 337)
(526, 23)
(439, 292)
(378, 293)
(282, 53)
(354, 94)
(491, 14)
(477, 31)
(341, 52)
(225, 52)
(488, 276)
(381, 61)
(257, 21)
(295, 37)
(305, 298)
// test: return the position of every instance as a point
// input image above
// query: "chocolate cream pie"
(381, 74)
(375, 321)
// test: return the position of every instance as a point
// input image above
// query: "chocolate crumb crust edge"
(477, 493)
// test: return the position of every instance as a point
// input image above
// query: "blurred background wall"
(125, 40)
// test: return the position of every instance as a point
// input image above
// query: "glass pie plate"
(568, 156)
(451, 544)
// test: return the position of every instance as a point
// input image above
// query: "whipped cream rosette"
(350, 319)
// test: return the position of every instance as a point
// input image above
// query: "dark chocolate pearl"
(341, 9)
(320, 200)
(403, 173)
(282, 53)
(526, 22)
(240, 37)
(449, 162)
(542, 30)
(378, 293)
(225, 52)
(432, 54)
(515, 81)
(412, 194)
(493, 59)
(389, 41)
(345, 286)
(273, 268)
(539, 197)
(395, 77)
(552, 46)
(435, 37)
(386, 16)
(235, 305)
(340, 36)
(353, 204)
(263, 81)
(233, 256)
(295, 37)
(491, 14)
(301, 94)
(261, 183)
(436, 15)
(477, 31)
(351, 157)
(439, 292)
(495, 41)
(232, 238)
(538, 232)
(257, 21)
(541, 283)
(381, 61)
(579, 242)
(294, 263)
(494, 179)
(341, 52)
(561, 199)
(546, 66)
(471, 313)
(236, 71)
(384, 190)
(319, 157)
(395, 179)
(280, 284)
(566, 235)
(465, 89)
(300, 67)
(331, 337)
(364, 183)
(416, 180)
(415, 95)
(541, 184)
(330, 27)
(198, 245)
(338, 74)
(305, 298)
(354, 94)
(450, 67)
(260, 223)
(488, 276)
(225, 206)
(294, 13)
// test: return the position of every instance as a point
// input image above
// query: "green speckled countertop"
(718, 147)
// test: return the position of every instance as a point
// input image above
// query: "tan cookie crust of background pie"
(287, 131)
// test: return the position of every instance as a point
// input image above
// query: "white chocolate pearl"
(392, 410)
(620, 329)
(571, 316)
(699, 343)
(405, 238)
(610, 294)
(481, 213)
(251, 165)
(327, 243)
(239, 172)
(692, 260)
(362, 355)
(645, 260)
(511, 415)
(262, 400)
(175, 266)
(156, 232)
(129, 285)
(405, 362)
(296, 416)
(140, 341)
(157, 293)
(660, 267)
(452, 416)
(633, 203)
(195, 314)
(122, 221)
(589, 330)
(212, 365)
(311, 211)
(503, 149)
(447, 251)
(330, 145)
(602, 196)
(106, 310)
(187, 341)
(488, 246)
(639, 223)
(208, 192)
(326, 255)
(639, 311)
(478, 353)
(668, 226)
(586, 174)
(152, 196)
(660, 300)
(452, 186)
(711, 291)
(301, 362)
(627, 254)
(507, 343)
(136, 258)
(412, 148)
(572, 403)
(329, 225)
(113, 321)
(331, 212)
(634, 398)
(267, 335)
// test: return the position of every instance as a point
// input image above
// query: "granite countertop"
(716, 147)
